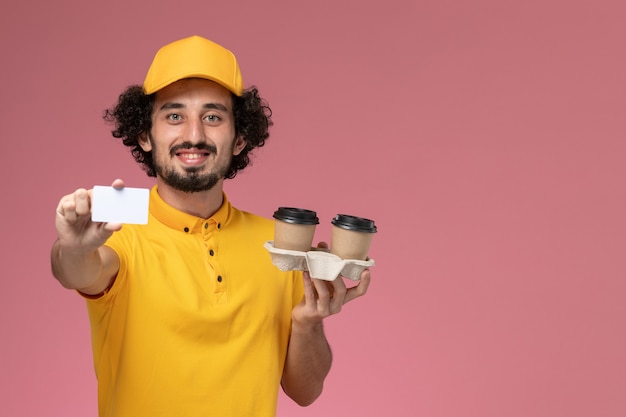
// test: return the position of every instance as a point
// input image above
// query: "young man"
(188, 315)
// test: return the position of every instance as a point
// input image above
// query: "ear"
(240, 144)
(144, 142)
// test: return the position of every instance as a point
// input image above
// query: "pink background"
(486, 139)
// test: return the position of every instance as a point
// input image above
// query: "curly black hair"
(131, 117)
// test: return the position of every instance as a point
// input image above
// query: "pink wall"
(486, 138)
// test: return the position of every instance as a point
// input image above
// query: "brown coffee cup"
(294, 228)
(351, 236)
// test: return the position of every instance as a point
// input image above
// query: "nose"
(194, 132)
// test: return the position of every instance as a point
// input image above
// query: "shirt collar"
(185, 222)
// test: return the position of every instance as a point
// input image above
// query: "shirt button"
(186, 230)
(211, 252)
(219, 278)
(206, 225)
(219, 225)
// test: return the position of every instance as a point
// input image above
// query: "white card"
(126, 205)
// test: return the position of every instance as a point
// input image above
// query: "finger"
(323, 296)
(322, 245)
(309, 291)
(112, 227)
(360, 289)
(67, 208)
(82, 201)
(118, 184)
(339, 295)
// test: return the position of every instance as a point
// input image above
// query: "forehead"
(191, 91)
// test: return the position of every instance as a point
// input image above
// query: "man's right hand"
(75, 230)
(78, 259)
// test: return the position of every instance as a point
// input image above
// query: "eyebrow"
(206, 106)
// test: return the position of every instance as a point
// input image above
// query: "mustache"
(188, 145)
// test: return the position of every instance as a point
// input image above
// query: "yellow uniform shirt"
(197, 322)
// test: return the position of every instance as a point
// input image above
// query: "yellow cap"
(193, 57)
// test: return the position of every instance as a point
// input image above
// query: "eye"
(175, 117)
(212, 118)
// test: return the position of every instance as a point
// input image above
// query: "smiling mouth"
(188, 155)
(194, 157)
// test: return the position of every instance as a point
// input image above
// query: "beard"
(189, 182)
(192, 180)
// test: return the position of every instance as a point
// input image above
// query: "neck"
(202, 204)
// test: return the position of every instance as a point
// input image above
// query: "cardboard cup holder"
(320, 263)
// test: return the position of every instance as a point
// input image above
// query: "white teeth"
(192, 155)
